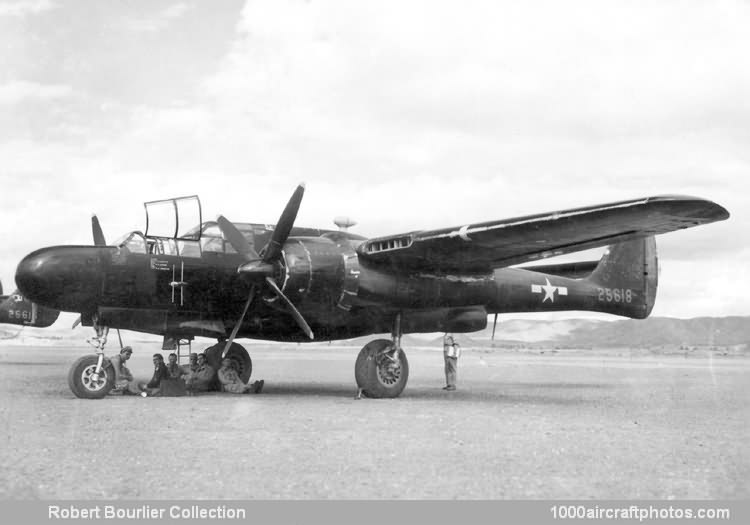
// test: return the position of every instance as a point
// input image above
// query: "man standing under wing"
(451, 353)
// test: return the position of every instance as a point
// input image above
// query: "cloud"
(157, 21)
(19, 91)
(26, 7)
(403, 116)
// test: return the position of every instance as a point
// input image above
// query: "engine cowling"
(320, 273)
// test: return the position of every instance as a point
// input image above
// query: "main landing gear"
(381, 369)
(236, 353)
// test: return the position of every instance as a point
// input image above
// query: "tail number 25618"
(615, 295)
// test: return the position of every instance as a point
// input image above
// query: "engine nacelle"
(321, 272)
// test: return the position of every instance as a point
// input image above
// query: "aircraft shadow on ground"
(534, 393)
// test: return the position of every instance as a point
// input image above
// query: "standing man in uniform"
(451, 353)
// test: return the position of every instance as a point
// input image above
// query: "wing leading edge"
(496, 244)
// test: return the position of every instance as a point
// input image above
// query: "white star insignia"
(549, 290)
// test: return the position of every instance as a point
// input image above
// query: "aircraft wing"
(496, 244)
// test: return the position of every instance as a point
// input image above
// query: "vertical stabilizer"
(626, 278)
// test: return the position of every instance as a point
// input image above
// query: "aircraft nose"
(29, 276)
(62, 277)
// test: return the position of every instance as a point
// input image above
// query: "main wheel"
(85, 383)
(380, 373)
(237, 354)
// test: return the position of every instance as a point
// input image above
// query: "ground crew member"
(124, 382)
(231, 381)
(200, 380)
(451, 352)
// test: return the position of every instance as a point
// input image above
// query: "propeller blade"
(97, 231)
(284, 226)
(292, 310)
(76, 323)
(238, 241)
(236, 328)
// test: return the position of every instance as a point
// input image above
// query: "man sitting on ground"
(174, 384)
(231, 381)
(160, 372)
(200, 380)
(173, 368)
(191, 367)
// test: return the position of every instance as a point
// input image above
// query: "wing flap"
(495, 244)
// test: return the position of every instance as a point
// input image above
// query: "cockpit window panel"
(135, 242)
(174, 218)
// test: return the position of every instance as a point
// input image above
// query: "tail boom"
(623, 283)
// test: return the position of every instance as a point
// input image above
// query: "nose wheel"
(84, 380)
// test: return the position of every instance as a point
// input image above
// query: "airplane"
(16, 309)
(280, 282)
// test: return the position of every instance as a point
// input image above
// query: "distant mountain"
(647, 333)
(658, 331)
(651, 333)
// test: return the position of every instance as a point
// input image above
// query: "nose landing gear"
(92, 376)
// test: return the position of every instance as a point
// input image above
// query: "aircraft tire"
(375, 373)
(81, 383)
(237, 353)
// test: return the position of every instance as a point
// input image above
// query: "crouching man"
(124, 382)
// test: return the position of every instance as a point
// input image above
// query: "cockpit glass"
(161, 219)
(212, 240)
(188, 212)
(134, 242)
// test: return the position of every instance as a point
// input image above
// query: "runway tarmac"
(521, 425)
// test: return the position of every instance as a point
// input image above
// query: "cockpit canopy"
(166, 234)
(209, 239)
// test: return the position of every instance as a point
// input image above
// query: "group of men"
(171, 379)
(198, 376)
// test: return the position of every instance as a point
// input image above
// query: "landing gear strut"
(381, 369)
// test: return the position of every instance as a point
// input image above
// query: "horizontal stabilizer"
(574, 270)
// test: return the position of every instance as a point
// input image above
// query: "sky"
(403, 115)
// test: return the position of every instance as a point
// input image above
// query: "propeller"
(96, 229)
(238, 241)
(260, 269)
(284, 226)
(99, 240)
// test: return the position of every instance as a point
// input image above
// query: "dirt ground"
(521, 425)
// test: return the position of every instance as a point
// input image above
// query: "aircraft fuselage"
(200, 293)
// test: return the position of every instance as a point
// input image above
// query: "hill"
(652, 333)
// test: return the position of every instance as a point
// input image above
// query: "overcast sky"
(401, 114)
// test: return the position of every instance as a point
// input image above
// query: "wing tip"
(696, 208)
